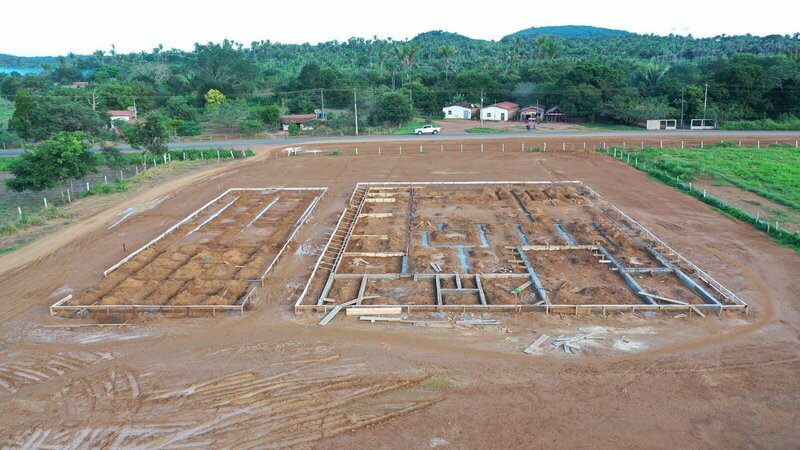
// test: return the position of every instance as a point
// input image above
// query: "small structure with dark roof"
(532, 112)
(555, 114)
(299, 119)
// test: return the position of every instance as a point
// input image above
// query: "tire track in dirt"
(243, 409)
(21, 374)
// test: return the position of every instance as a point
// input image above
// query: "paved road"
(473, 136)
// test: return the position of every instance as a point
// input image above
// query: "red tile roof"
(298, 118)
(505, 105)
(123, 113)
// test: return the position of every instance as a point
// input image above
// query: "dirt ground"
(453, 126)
(475, 229)
(272, 379)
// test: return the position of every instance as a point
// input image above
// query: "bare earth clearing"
(270, 378)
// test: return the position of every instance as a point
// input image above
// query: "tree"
(189, 128)
(457, 98)
(223, 67)
(50, 164)
(652, 72)
(301, 104)
(56, 113)
(214, 97)
(156, 73)
(20, 121)
(179, 108)
(150, 134)
(548, 47)
(249, 126)
(227, 114)
(269, 115)
(406, 55)
(393, 108)
(115, 96)
(9, 87)
(447, 52)
(113, 157)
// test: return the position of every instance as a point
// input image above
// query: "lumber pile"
(569, 344)
(536, 344)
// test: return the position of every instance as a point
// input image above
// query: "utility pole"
(355, 107)
(705, 105)
(682, 91)
(481, 113)
(322, 95)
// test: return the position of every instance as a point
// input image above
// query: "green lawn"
(772, 173)
(6, 111)
(486, 130)
(5, 162)
(609, 126)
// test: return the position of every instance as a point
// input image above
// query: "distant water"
(21, 70)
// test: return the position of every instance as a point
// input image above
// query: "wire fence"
(773, 228)
(526, 144)
(20, 207)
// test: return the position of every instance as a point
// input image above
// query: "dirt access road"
(271, 379)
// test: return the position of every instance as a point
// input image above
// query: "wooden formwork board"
(733, 302)
(64, 305)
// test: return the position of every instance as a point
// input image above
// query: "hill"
(26, 61)
(573, 31)
(441, 37)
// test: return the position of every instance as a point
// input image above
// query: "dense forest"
(593, 74)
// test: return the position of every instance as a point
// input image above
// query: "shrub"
(189, 128)
(251, 126)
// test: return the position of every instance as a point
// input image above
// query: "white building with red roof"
(501, 112)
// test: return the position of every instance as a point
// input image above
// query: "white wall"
(493, 113)
(456, 112)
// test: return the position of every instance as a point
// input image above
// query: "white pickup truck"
(428, 129)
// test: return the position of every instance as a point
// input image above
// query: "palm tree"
(406, 55)
(381, 61)
(793, 52)
(447, 52)
(99, 56)
(652, 72)
(392, 68)
(548, 47)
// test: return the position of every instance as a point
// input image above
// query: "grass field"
(773, 173)
(6, 111)
(609, 126)
(486, 130)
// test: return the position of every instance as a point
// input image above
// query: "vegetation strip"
(784, 237)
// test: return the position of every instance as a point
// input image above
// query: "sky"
(57, 27)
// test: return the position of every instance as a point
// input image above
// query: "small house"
(299, 119)
(532, 112)
(555, 114)
(501, 112)
(79, 84)
(463, 111)
(127, 115)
